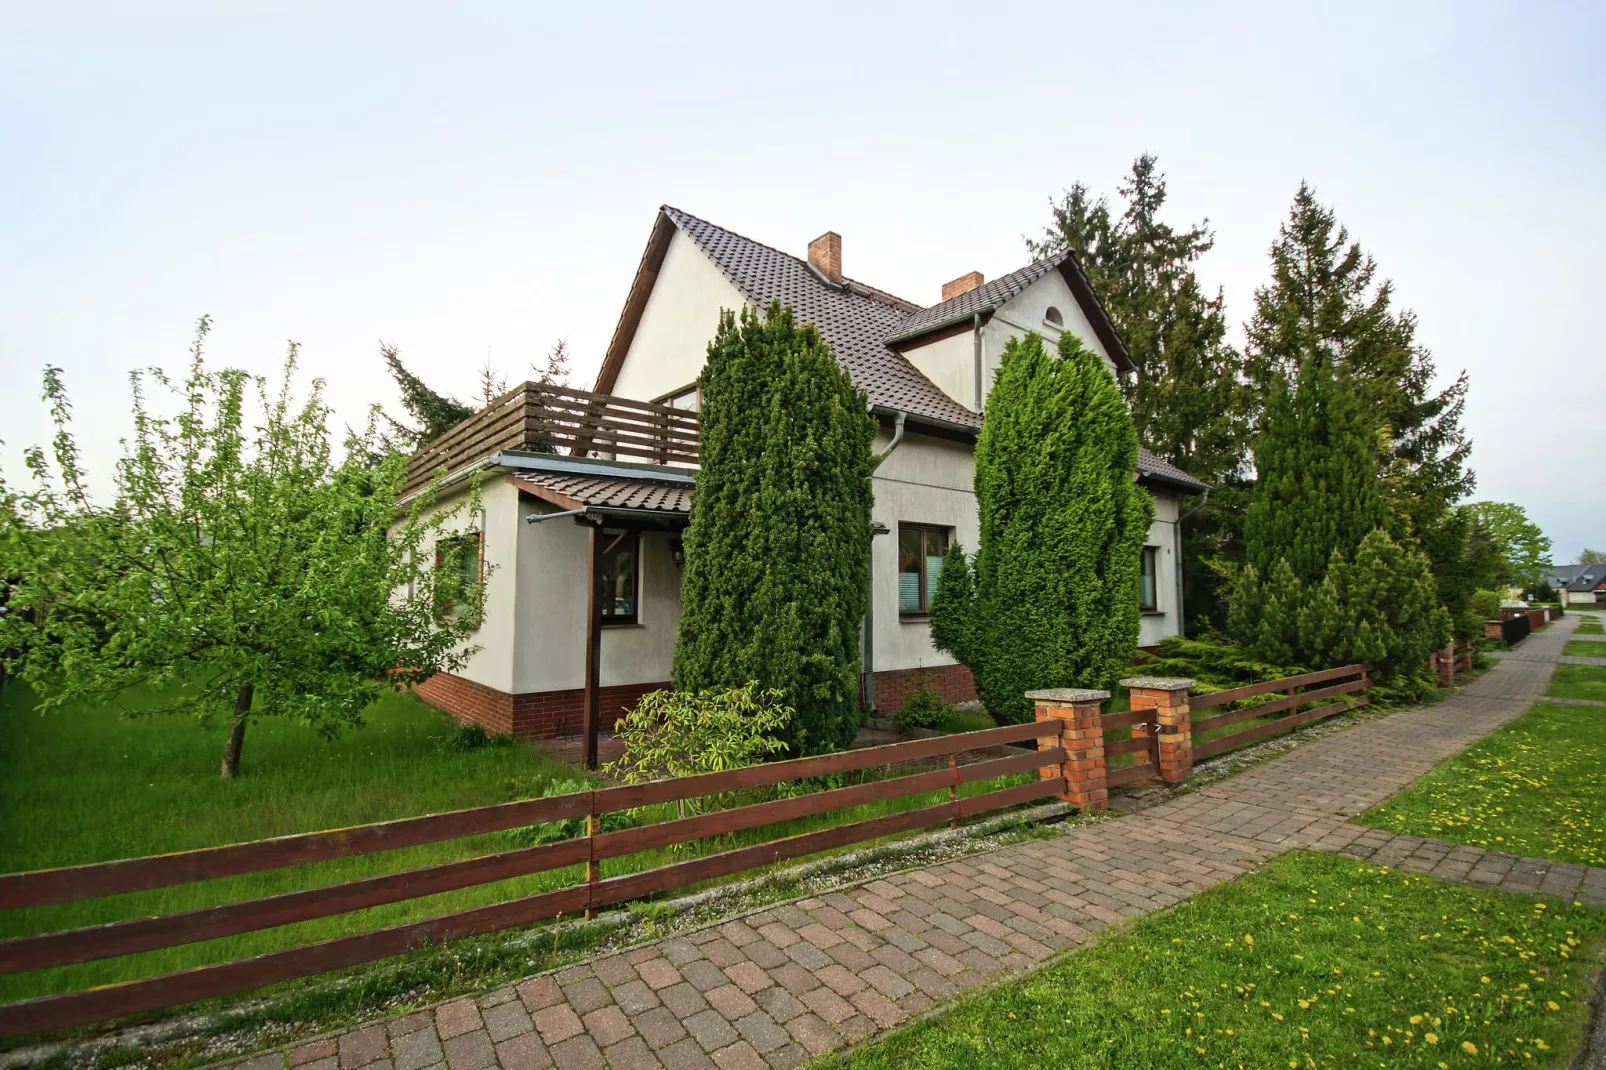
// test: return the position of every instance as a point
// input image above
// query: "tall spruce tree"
(778, 552)
(1189, 400)
(1317, 490)
(1325, 300)
(1062, 528)
(433, 414)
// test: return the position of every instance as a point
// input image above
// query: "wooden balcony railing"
(558, 419)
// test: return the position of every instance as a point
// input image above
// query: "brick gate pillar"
(1082, 736)
(1168, 698)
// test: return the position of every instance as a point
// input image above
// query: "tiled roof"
(987, 297)
(1154, 466)
(856, 319)
(1588, 579)
(606, 492)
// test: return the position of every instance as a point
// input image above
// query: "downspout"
(869, 619)
(1176, 543)
(897, 438)
(975, 328)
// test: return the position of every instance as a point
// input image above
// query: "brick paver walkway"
(773, 988)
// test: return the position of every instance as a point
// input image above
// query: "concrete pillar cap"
(1157, 683)
(1067, 694)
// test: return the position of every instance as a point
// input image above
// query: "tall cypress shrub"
(778, 552)
(1062, 528)
(1317, 485)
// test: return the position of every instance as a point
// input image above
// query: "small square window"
(1149, 581)
(621, 576)
(920, 551)
(459, 571)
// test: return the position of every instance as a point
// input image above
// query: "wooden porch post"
(593, 700)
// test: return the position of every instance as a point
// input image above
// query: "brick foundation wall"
(953, 683)
(532, 715)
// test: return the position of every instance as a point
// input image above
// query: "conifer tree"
(1317, 487)
(953, 606)
(1062, 528)
(1325, 301)
(1189, 400)
(777, 572)
(432, 414)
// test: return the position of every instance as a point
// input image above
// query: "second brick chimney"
(825, 254)
(962, 285)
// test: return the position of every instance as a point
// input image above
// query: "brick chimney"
(825, 255)
(962, 285)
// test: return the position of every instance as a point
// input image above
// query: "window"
(459, 570)
(1053, 316)
(621, 576)
(1149, 582)
(920, 550)
(688, 398)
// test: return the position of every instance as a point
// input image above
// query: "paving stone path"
(776, 987)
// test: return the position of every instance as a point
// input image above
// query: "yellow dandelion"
(1250, 940)
(1416, 1019)
(1469, 1047)
(1431, 1038)
(1553, 1005)
(1485, 980)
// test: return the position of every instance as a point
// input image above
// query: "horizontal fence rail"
(535, 416)
(72, 883)
(1351, 690)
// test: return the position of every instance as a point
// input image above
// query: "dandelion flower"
(1469, 1047)
(1431, 1038)
(1553, 1005)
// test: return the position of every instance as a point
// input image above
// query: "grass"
(1579, 681)
(1584, 648)
(1589, 626)
(1314, 961)
(87, 784)
(1532, 787)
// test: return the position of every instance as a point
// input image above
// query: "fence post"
(1082, 736)
(1168, 698)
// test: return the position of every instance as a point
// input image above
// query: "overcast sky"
(485, 180)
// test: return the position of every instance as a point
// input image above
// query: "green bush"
(922, 706)
(466, 736)
(682, 733)
(1486, 604)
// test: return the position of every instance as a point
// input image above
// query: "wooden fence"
(1457, 657)
(96, 880)
(544, 418)
(1297, 691)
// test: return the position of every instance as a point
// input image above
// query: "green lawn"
(1589, 626)
(1585, 648)
(1578, 681)
(1532, 787)
(1315, 961)
(86, 784)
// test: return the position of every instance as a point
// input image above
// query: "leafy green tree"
(240, 569)
(1062, 528)
(1317, 488)
(953, 606)
(1325, 303)
(1470, 562)
(1592, 557)
(432, 414)
(777, 573)
(1189, 400)
(1521, 544)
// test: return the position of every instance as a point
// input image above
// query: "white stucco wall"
(682, 314)
(951, 364)
(925, 481)
(1162, 535)
(549, 639)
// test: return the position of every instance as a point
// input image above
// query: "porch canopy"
(619, 498)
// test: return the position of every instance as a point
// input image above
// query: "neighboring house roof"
(611, 493)
(1562, 575)
(1154, 467)
(1591, 577)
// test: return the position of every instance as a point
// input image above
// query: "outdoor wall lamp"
(677, 551)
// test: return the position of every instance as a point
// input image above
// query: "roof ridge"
(894, 298)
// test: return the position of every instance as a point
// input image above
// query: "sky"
(476, 181)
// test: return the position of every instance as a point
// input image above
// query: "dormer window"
(1052, 316)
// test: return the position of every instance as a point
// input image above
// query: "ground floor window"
(621, 576)
(920, 550)
(459, 570)
(1149, 581)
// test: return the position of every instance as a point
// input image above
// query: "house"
(579, 483)
(1578, 585)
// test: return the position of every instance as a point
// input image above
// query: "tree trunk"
(231, 749)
